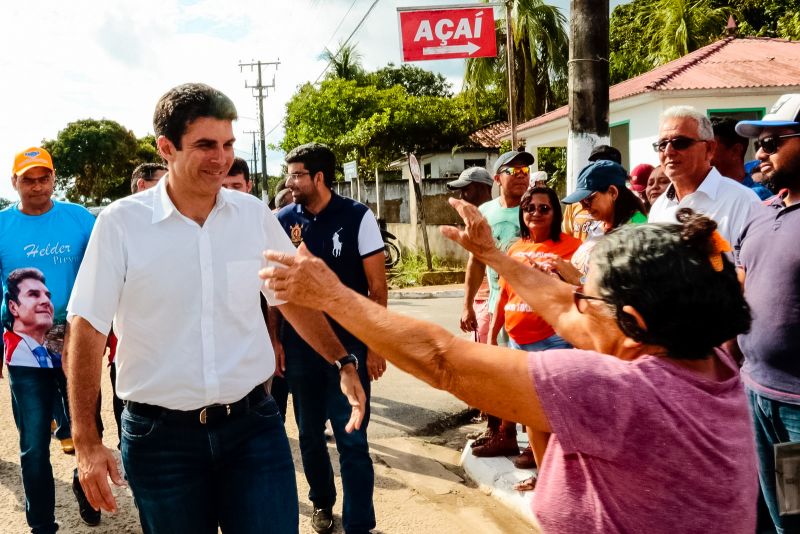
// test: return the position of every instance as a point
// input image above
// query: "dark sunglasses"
(771, 143)
(544, 209)
(580, 298)
(678, 143)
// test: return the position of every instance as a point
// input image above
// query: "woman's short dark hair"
(182, 105)
(555, 227)
(625, 206)
(664, 271)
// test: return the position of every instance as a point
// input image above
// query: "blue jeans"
(549, 343)
(33, 391)
(774, 422)
(61, 417)
(317, 396)
(190, 478)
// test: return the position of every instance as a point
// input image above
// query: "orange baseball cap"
(30, 158)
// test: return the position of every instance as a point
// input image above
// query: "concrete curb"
(449, 293)
(497, 476)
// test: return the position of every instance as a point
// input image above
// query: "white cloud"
(64, 61)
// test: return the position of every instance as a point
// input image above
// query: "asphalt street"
(401, 404)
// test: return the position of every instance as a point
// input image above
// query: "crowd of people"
(644, 335)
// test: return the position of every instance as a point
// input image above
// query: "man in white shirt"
(685, 147)
(203, 444)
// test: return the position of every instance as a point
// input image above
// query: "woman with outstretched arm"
(650, 425)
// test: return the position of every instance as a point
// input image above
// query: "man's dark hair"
(145, 171)
(15, 278)
(555, 226)
(316, 158)
(182, 105)
(665, 272)
(240, 167)
(725, 132)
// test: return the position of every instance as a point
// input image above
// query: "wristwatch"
(347, 360)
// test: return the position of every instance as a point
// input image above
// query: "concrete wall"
(399, 210)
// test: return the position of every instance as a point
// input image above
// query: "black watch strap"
(347, 360)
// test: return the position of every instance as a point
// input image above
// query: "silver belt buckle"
(204, 415)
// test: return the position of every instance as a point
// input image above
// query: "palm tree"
(345, 63)
(676, 27)
(541, 51)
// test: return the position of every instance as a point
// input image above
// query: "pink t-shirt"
(642, 446)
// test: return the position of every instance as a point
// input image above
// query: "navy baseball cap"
(605, 152)
(597, 176)
(785, 113)
(526, 158)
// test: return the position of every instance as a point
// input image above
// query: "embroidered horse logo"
(337, 244)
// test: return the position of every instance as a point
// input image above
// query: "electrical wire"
(358, 26)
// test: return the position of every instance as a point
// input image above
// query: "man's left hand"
(351, 387)
(376, 365)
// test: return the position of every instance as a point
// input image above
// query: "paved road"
(401, 404)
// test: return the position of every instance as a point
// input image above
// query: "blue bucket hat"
(597, 176)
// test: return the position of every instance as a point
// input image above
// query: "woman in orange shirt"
(541, 240)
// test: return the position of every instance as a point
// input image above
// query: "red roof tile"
(732, 63)
(489, 135)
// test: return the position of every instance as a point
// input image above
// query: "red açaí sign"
(447, 33)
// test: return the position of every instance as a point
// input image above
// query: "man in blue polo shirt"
(345, 234)
(769, 258)
(42, 242)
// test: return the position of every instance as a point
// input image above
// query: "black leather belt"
(211, 414)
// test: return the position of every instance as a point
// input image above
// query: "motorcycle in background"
(391, 252)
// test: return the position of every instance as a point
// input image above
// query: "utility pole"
(588, 83)
(512, 98)
(260, 93)
(254, 170)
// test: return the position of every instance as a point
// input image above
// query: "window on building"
(620, 139)
(426, 170)
(474, 163)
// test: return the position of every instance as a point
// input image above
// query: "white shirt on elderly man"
(722, 199)
(184, 298)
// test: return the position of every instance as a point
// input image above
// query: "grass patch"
(408, 272)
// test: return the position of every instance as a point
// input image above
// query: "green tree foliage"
(345, 63)
(416, 81)
(376, 126)
(645, 34)
(4, 203)
(541, 50)
(94, 159)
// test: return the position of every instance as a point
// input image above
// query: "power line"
(358, 26)
(341, 22)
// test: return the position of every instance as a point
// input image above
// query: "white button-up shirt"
(722, 199)
(184, 298)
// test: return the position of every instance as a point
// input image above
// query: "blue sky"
(65, 61)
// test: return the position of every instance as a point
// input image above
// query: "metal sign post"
(416, 173)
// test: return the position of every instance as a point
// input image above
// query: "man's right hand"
(95, 464)
(469, 322)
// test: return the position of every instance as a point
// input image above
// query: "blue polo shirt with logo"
(343, 234)
(768, 252)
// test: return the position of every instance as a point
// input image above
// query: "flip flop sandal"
(529, 484)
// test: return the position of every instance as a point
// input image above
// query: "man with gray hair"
(685, 147)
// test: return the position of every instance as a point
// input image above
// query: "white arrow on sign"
(470, 48)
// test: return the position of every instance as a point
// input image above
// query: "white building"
(739, 77)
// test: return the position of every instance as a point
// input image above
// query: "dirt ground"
(419, 486)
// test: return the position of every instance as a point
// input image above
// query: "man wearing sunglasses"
(685, 147)
(512, 173)
(769, 259)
